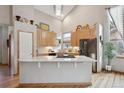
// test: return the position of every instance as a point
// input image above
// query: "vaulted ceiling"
(49, 10)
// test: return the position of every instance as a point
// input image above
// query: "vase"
(18, 18)
(31, 22)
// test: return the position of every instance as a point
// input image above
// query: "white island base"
(55, 71)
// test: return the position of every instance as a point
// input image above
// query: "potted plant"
(109, 52)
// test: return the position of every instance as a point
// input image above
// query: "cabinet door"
(51, 40)
(93, 33)
(44, 36)
(54, 39)
(74, 38)
(84, 34)
(39, 38)
(79, 33)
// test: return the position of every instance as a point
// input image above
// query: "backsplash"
(48, 49)
(44, 49)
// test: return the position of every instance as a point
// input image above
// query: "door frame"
(18, 36)
(9, 47)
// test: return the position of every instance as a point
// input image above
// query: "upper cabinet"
(46, 38)
(82, 33)
(74, 38)
(41, 38)
(51, 40)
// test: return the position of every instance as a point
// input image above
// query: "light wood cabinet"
(42, 38)
(46, 38)
(38, 38)
(93, 33)
(74, 38)
(86, 33)
(78, 37)
(51, 39)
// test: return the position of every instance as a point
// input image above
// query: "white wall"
(5, 20)
(28, 11)
(25, 11)
(0, 44)
(3, 43)
(118, 64)
(5, 48)
(55, 24)
(84, 14)
(5, 14)
(23, 27)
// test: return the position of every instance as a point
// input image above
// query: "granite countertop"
(54, 59)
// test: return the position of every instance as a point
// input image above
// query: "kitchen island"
(52, 70)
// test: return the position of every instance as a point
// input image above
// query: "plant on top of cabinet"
(85, 32)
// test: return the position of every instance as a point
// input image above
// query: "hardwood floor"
(6, 80)
(99, 80)
(107, 80)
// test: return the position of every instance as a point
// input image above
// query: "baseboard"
(4, 65)
(118, 71)
(16, 74)
(54, 85)
(115, 71)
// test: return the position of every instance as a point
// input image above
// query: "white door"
(25, 44)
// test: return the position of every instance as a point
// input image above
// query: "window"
(66, 35)
(116, 18)
(66, 40)
(58, 42)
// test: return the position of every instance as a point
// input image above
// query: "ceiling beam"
(47, 14)
(70, 12)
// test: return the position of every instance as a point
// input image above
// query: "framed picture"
(44, 26)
